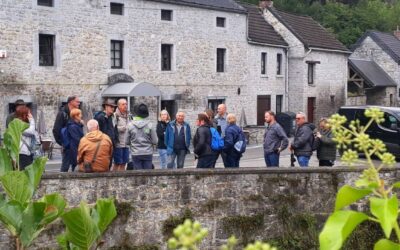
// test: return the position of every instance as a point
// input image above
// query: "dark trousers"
(180, 155)
(232, 160)
(66, 161)
(24, 161)
(271, 159)
(223, 156)
(206, 161)
(142, 162)
(325, 163)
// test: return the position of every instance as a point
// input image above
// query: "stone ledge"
(209, 172)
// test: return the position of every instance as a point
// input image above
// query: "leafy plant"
(23, 217)
(383, 202)
(85, 225)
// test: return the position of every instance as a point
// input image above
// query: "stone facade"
(224, 201)
(83, 31)
(370, 50)
(330, 74)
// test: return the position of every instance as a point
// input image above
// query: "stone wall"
(254, 203)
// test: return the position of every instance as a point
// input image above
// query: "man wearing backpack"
(202, 143)
(177, 140)
(275, 140)
(61, 122)
(303, 140)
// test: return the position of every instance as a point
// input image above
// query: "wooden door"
(310, 109)
(263, 104)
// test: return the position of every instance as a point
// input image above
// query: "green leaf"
(385, 244)
(62, 241)
(5, 162)
(12, 137)
(55, 205)
(106, 212)
(81, 229)
(32, 218)
(11, 216)
(338, 227)
(396, 185)
(347, 195)
(386, 212)
(17, 186)
(35, 171)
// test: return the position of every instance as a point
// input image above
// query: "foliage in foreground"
(189, 235)
(383, 203)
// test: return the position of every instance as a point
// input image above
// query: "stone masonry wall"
(249, 203)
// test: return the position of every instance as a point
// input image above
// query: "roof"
(259, 30)
(372, 73)
(131, 89)
(308, 31)
(388, 42)
(224, 5)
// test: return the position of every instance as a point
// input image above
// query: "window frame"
(221, 61)
(264, 63)
(279, 64)
(50, 53)
(218, 22)
(120, 8)
(166, 56)
(170, 15)
(45, 3)
(311, 73)
(113, 52)
(278, 103)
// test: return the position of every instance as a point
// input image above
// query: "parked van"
(387, 131)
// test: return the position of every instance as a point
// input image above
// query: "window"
(213, 104)
(263, 63)
(166, 15)
(117, 8)
(46, 50)
(279, 64)
(117, 48)
(166, 57)
(390, 122)
(221, 60)
(221, 22)
(310, 73)
(48, 3)
(279, 100)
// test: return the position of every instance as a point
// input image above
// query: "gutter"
(330, 50)
(265, 44)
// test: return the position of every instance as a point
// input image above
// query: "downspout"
(287, 79)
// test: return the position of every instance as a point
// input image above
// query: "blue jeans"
(163, 158)
(303, 160)
(180, 155)
(142, 162)
(232, 160)
(271, 159)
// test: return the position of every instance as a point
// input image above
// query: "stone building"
(196, 53)
(316, 62)
(375, 69)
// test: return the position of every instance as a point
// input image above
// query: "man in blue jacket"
(177, 140)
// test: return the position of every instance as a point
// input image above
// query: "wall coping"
(209, 172)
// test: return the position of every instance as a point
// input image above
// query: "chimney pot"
(263, 4)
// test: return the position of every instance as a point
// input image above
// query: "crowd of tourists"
(117, 140)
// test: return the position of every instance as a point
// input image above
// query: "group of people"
(115, 136)
(307, 138)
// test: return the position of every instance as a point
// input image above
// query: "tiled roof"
(308, 31)
(372, 73)
(388, 42)
(224, 5)
(259, 30)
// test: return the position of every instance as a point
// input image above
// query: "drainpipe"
(287, 79)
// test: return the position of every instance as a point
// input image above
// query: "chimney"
(263, 4)
(396, 33)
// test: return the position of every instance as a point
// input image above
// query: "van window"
(390, 122)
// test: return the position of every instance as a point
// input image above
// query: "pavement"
(253, 157)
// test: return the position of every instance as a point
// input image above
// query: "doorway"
(310, 109)
(263, 104)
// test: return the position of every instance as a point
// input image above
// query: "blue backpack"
(217, 143)
(65, 137)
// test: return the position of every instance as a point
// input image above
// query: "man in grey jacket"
(303, 140)
(275, 140)
(141, 138)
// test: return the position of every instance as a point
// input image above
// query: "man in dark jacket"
(202, 143)
(60, 122)
(105, 119)
(275, 140)
(303, 140)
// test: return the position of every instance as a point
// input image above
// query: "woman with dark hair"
(202, 143)
(74, 133)
(28, 137)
